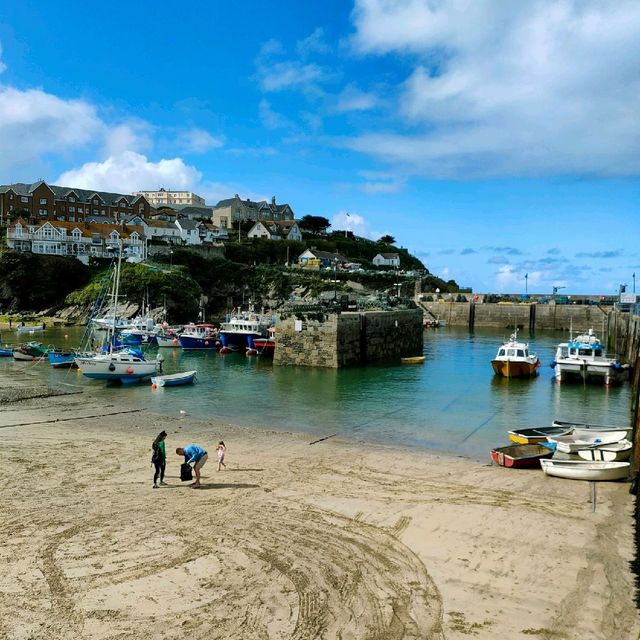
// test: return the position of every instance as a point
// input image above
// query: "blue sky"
(491, 139)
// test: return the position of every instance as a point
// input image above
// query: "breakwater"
(525, 316)
(337, 340)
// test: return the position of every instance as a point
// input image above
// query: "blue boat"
(238, 332)
(199, 336)
(62, 359)
(174, 379)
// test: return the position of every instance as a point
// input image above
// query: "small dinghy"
(413, 360)
(174, 379)
(537, 434)
(583, 470)
(615, 452)
(582, 428)
(29, 327)
(575, 442)
(521, 456)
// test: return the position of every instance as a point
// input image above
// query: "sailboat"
(126, 366)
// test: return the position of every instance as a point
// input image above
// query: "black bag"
(185, 472)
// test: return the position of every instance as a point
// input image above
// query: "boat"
(60, 359)
(264, 346)
(174, 379)
(125, 366)
(521, 456)
(537, 435)
(109, 322)
(514, 360)
(584, 470)
(239, 331)
(587, 426)
(30, 351)
(6, 352)
(29, 327)
(198, 336)
(609, 452)
(574, 442)
(583, 359)
(431, 323)
(413, 360)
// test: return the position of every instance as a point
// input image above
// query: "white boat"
(32, 327)
(583, 359)
(588, 426)
(583, 470)
(110, 322)
(238, 331)
(174, 379)
(514, 360)
(122, 366)
(575, 442)
(609, 452)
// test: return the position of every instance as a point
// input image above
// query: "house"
(386, 260)
(209, 233)
(314, 259)
(276, 230)
(162, 230)
(234, 210)
(79, 240)
(188, 231)
(40, 201)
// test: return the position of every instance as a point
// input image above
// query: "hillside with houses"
(228, 252)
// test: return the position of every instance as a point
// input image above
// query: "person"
(196, 455)
(220, 449)
(159, 459)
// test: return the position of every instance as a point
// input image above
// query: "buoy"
(206, 343)
(154, 386)
(175, 341)
(66, 336)
(129, 369)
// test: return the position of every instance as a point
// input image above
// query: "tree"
(387, 240)
(315, 225)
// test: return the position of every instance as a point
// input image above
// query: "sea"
(452, 402)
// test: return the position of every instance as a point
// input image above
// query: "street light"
(526, 284)
(170, 259)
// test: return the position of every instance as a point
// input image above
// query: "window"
(11, 196)
(42, 212)
(72, 199)
(95, 212)
(47, 232)
(24, 199)
(71, 209)
(18, 229)
(80, 210)
(102, 212)
(76, 234)
(122, 205)
(43, 201)
(96, 201)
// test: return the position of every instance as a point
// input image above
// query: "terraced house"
(230, 211)
(68, 221)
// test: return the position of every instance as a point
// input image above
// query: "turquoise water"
(452, 402)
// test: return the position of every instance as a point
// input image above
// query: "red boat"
(521, 456)
(264, 346)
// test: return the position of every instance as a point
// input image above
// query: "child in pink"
(220, 449)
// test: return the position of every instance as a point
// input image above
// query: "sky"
(497, 141)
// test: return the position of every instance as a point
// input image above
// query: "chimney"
(273, 201)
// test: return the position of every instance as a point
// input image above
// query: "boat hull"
(523, 456)
(514, 369)
(413, 360)
(175, 379)
(607, 373)
(62, 360)
(617, 452)
(193, 342)
(583, 470)
(111, 368)
(575, 442)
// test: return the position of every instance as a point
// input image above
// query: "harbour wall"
(525, 316)
(337, 340)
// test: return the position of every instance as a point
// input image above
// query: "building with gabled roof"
(42, 201)
(79, 240)
(275, 230)
(171, 197)
(234, 210)
(386, 260)
(312, 258)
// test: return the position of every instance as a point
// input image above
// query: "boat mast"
(115, 297)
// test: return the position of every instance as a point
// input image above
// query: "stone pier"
(347, 339)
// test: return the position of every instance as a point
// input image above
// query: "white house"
(386, 260)
(209, 233)
(314, 259)
(162, 230)
(189, 231)
(276, 230)
(79, 240)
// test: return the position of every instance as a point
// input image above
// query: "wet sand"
(292, 540)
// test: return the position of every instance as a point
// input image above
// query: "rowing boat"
(583, 470)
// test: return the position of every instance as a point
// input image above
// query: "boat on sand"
(583, 470)
(521, 456)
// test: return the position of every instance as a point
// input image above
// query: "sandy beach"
(293, 540)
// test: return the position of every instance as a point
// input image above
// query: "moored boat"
(30, 351)
(198, 336)
(413, 360)
(127, 366)
(572, 443)
(514, 360)
(239, 331)
(583, 360)
(584, 470)
(587, 426)
(615, 452)
(521, 456)
(536, 435)
(174, 379)
(62, 359)
(29, 328)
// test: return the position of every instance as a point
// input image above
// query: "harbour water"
(452, 402)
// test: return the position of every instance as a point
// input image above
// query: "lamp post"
(335, 265)
(634, 282)
(526, 284)
(170, 259)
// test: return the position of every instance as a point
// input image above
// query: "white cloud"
(497, 89)
(272, 119)
(34, 123)
(353, 99)
(196, 140)
(130, 136)
(353, 222)
(313, 43)
(131, 171)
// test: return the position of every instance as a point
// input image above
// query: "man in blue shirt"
(196, 455)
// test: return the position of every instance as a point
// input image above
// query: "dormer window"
(96, 201)
(113, 235)
(77, 234)
(71, 199)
